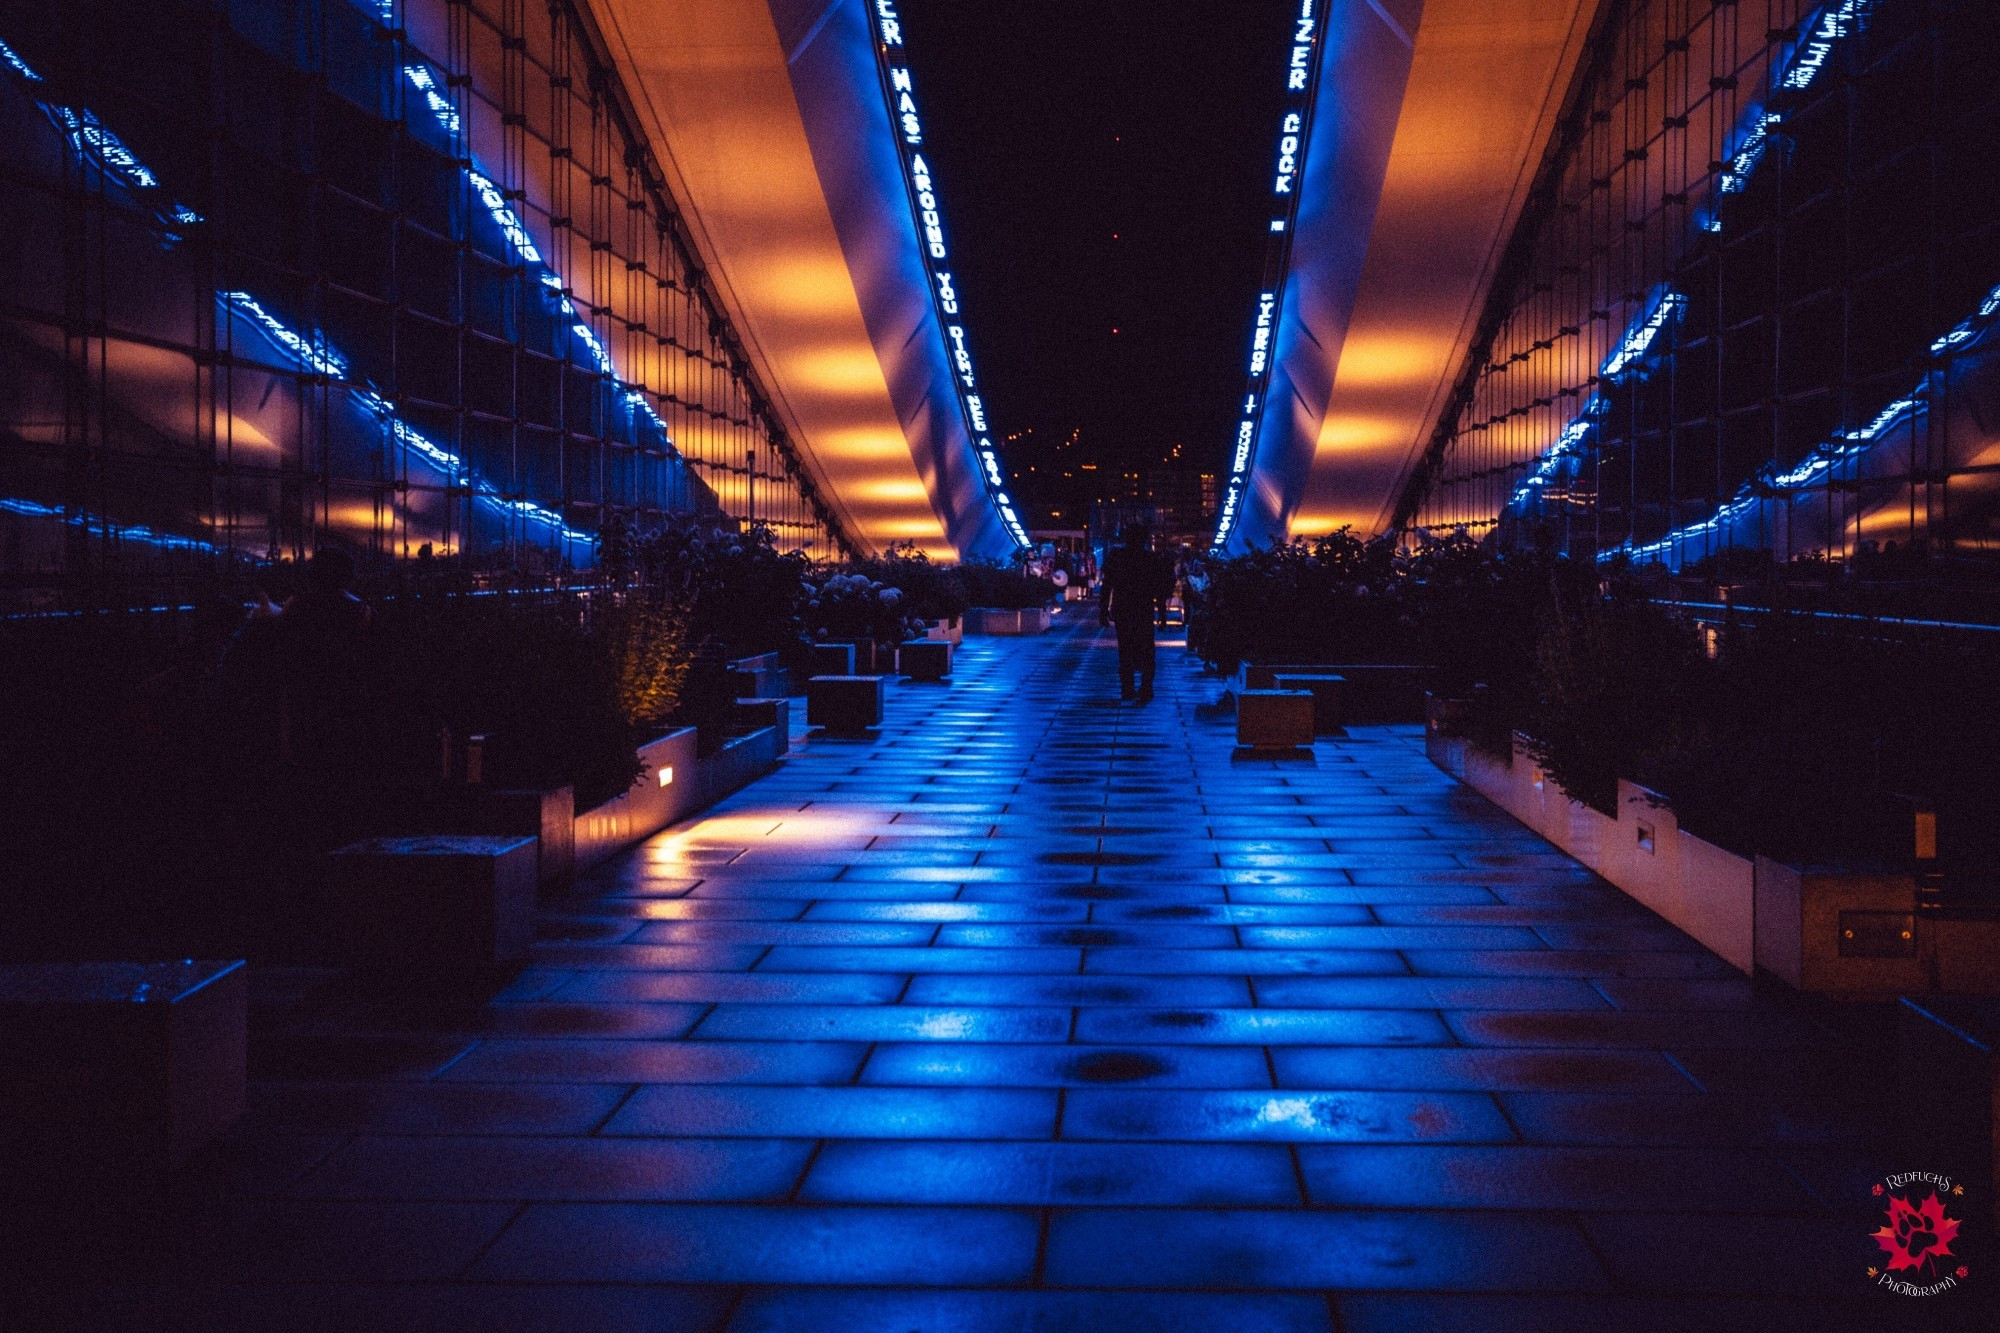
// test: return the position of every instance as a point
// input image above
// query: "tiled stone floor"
(1039, 1012)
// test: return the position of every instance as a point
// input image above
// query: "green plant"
(737, 592)
(930, 592)
(1812, 736)
(647, 640)
(854, 606)
(1615, 679)
(532, 672)
(1004, 588)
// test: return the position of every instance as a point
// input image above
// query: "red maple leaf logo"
(1917, 1235)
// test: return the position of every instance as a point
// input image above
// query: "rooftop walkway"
(1039, 1012)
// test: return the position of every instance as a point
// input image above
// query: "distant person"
(1135, 582)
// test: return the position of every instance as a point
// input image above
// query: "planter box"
(1839, 932)
(830, 659)
(1325, 691)
(679, 783)
(1373, 694)
(740, 761)
(1448, 753)
(1275, 720)
(116, 1072)
(759, 677)
(1695, 885)
(548, 816)
(845, 705)
(1706, 891)
(925, 660)
(949, 630)
(748, 715)
(987, 620)
(1445, 742)
(662, 795)
(1513, 783)
(870, 659)
(1950, 1048)
(457, 902)
(1719, 890)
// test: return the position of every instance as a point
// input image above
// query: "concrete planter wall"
(677, 784)
(1828, 931)
(1704, 890)
(949, 630)
(1726, 884)
(1857, 933)
(988, 620)
(1839, 932)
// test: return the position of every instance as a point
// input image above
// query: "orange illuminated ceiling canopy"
(1486, 83)
(728, 91)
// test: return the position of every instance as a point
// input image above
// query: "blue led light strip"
(93, 143)
(1630, 352)
(1844, 447)
(1799, 66)
(99, 526)
(314, 356)
(891, 59)
(1294, 132)
(525, 251)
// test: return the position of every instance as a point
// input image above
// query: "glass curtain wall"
(1750, 301)
(396, 275)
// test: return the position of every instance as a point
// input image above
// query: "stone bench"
(1274, 722)
(845, 705)
(1372, 693)
(116, 1072)
(456, 903)
(927, 660)
(830, 659)
(751, 714)
(1326, 692)
(759, 677)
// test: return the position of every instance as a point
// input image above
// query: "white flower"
(890, 596)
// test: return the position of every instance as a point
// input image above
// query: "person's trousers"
(1135, 652)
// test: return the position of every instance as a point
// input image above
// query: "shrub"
(854, 606)
(737, 593)
(557, 689)
(930, 592)
(1336, 598)
(1615, 679)
(1004, 588)
(1810, 737)
(1453, 603)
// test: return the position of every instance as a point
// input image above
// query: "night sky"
(1104, 165)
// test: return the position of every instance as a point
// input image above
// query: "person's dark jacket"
(1136, 580)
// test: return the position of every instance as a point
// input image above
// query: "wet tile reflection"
(1040, 1013)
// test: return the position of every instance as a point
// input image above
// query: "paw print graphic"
(1914, 1234)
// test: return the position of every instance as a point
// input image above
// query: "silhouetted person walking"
(1135, 582)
